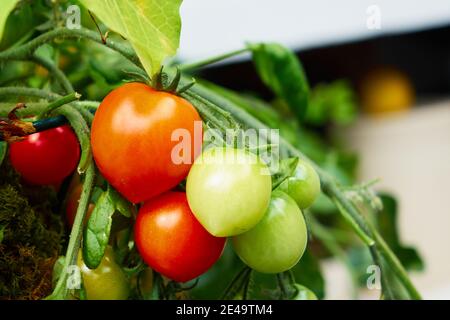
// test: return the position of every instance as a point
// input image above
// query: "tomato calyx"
(13, 129)
(161, 82)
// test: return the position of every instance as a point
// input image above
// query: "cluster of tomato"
(228, 191)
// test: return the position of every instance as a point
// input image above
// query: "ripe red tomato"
(132, 140)
(47, 157)
(171, 240)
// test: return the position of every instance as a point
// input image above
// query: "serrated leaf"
(152, 26)
(7, 7)
(3, 149)
(96, 234)
(281, 71)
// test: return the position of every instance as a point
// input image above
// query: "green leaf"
(387, 224)
(7, 7)
(286, 169)
(332, 103)
(96, 235)
(152, 26)
(3, 149)
(120, 204)
(280, 69)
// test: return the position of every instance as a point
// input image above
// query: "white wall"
(216, 26)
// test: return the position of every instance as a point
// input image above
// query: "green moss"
(31, 237)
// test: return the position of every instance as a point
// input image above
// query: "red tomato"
(132, 140)
(47, 157)
(171, 241)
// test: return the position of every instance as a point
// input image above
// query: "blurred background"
(380, 78)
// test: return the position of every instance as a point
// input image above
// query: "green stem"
(384, 282)
(27, 49)
(235, 282)
(283, 289)
(58, 103)
(396, 266)
(209, 61)
(61, 291)
(82, 131)
(28, 92)
(32, 109)
(55, 71)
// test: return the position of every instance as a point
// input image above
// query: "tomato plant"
(142, 141)
(303, 186)
(107, 281)
(278, 241)
(228, 190)
(172, 241)
(46, 158)
(132, 140)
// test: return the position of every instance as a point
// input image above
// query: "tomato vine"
(216, 110)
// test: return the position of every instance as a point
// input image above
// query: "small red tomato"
(171, 240)
(144, 141)
(47, 157)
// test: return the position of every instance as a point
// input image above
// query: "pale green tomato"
(107, 282)
(303, 293)
(228, 190)
(303, 186)
(278, 241)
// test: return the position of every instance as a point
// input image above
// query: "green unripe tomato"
(303, 186)
(228, 190)
(107, 282)
(303, 293)
(278, 241)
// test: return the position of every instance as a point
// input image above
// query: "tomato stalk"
(207, 62)
(61, 291)
(58, 103)
(26, 50)
(55, 71)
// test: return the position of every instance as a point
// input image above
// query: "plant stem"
(396, 266)
(235, 282)
(82, 131)
(28, 92)
(55, 71)
(58, 103)
(61, 291)
(209, 61)
(27, 49)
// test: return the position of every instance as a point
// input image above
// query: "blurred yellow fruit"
(386, 90)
